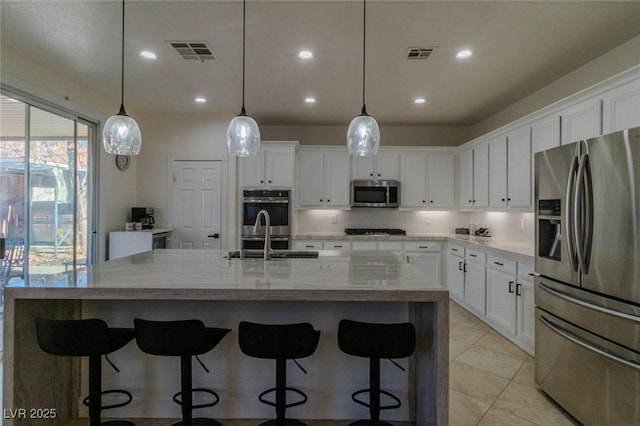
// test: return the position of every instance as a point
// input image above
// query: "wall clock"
(122, 162)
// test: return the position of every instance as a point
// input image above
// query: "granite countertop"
(522, 252)
(175, 274)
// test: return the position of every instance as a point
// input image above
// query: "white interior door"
(197, 204)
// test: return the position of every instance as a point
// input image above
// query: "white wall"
(516, 227)
(117, 190)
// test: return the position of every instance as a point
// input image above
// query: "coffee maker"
(144, 215)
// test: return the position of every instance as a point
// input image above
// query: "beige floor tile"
(476, 383)
(456, 348)
(468, 332)
(491, 361)
(526, 374)
(529, 403)
(494, 341)
(498, 417)
(465, 410)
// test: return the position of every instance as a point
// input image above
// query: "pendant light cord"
(244, 24)
(122, 62)
(364, 50)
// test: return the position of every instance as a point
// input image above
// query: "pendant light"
(243, 135)
(363, 136)
(121, 134)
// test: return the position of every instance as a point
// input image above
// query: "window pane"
(12, 160)
(84, 133)
(51, 192)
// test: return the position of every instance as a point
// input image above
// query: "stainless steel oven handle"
(587, 346)
(265, 200)
(569, 203)
(589, 305)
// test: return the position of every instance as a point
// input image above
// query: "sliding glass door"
(46, 157)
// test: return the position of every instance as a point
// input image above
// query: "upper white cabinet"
(427, 179)
(621, 107)
(581, 121)
(474, 176)
(273, 167)
(498, 172)
(323, 178)
(384, 165)
(545, 133)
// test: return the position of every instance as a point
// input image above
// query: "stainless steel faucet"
(267, 232)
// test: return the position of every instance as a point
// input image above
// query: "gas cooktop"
(374, 231)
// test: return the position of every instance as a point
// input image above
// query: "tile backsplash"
(517, 227)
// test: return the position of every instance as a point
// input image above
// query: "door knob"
(214, 236)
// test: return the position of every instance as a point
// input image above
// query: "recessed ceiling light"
(310, 100)
(463, 54)
(148, 55)
(200, 100)
(305, 54)
(419, 101)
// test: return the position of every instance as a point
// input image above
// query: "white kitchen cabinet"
(323, 178)
(426, 256)
(621, 107)
(455, 272)
(510, 179)
(306, 245)
(501, 294)
(525, 306)
(427, 179)
(364, 245)
(474, 281)
(581, 121)
(336, 245)
(474, 176)
(273, 167)
(384, 165)
(545, 133)
(441, 179)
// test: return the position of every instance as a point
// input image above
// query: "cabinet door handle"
(424, 247)
(309, 246)
(371, 174)
(320, 199)
(336, 246)
(518, 291)
(473, 255)
(431, 201)
(460, 266)
(503, 199)
(269, 181)
(465, 267)
(328, 200)
(424, 201)
(499, 263)
(261, 181)
(454, 249)
(511, 286)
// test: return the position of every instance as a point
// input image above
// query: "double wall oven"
(277, 204)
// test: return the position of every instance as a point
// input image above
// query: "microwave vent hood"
(375, 193)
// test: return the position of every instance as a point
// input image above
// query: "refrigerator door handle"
(583, 211)
(569, 213)
(585, 345)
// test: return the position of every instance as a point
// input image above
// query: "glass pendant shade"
(121, 135)
(243, 136)
(363, 136)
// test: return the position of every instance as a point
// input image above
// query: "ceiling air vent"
(193, 50)
(420, 52)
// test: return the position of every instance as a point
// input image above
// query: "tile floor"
(491, 383)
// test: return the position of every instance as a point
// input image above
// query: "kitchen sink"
(275, 254)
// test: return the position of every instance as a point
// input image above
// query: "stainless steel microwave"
(375, 193)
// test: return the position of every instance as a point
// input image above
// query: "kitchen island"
(177, 284)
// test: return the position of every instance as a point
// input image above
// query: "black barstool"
(91, 338)
(184, 338)
(280, 342)
(376, 341)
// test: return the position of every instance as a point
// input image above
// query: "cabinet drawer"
(426, 246)
(501, 264)
(456, 250)
(307, 245)
(525, 271)
(337, 245)
(390, 245)
(364, 245)
(476, 256)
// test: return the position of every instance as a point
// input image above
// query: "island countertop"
(197, 274)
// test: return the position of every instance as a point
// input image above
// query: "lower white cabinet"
(474, 287)
(525, 306)
(501, 301)
(455, 272)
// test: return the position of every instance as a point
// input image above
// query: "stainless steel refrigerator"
(587, 293)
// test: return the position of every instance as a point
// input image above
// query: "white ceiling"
(519, 47)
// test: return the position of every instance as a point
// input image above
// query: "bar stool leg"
(186, 396)
(95, 389)
(374, 385)
(281, 391)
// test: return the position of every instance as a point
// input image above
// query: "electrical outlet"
(334, 218)
(426, 220)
